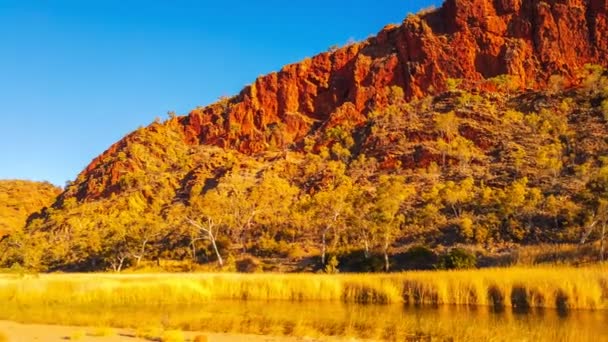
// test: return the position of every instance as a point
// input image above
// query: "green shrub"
(332, 265)
(417, 258)
(356, 261)
(269, 247)
(296, 252)
(248, 265)
(456, 259)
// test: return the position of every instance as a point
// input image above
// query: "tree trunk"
(602, 242)
(210, 236)
(386, 263)
(141, 253)
(193, 250)
(587, 232)
(323, 247)
(217, 252)
(118, 266)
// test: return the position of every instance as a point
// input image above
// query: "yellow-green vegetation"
(172, 336)
(200, 338)
(19, 199)
(77, 335)
(148, 332)
(490, 169)
(391, 322)
(102, 332)
(555, 287)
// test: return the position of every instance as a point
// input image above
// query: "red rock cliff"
(466, 39)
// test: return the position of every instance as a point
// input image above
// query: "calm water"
(376, 322)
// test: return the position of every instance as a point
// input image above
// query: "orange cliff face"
(472, 40)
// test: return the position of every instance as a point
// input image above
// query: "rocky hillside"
(473, 40)
(20, 199)
(481, 122)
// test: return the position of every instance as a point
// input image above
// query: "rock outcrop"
(464, 39)
(472, 40)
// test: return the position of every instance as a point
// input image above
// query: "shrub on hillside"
(417, 258)
(356, 261)
(331, 267)
(456, 259)
(249, 265)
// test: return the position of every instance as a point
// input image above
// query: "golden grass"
(549, 287)
(320, 305)
(102, 332)
(172, 336)
(200, 338)
(77, 335)
(145, 332)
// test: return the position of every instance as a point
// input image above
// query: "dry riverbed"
(18, 332)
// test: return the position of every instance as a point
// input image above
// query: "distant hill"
(19, 199)
(481, 122)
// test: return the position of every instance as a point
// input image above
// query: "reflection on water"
(378, 322)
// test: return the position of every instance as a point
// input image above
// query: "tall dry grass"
(549, 287)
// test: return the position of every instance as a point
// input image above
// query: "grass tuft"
(172, 336)
(77, 335)
(200, 338)
(548, 287)
(102, 332)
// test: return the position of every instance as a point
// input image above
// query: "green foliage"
(484, 168)
(447, 124)
(506, 83)
(360, 261)
(249, 265)
(456, 259)
(19, 199)
(452, 84)
(418, 258)
(332, 265)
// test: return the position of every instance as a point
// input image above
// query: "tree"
(209, 229)
(329, 208)
(390, 194)
(207, 214)
(598, 204)
(143, 232)
(447, 124)
(456, 195)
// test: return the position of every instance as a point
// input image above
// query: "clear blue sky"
(76, 76)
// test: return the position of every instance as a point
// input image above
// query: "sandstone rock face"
(471, 40)
(466, 39)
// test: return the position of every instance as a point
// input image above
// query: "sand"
(19, 332)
